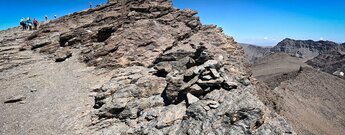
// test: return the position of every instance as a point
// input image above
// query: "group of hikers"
(28, 24)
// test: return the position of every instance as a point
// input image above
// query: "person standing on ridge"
(22, 23)
(46, 18)
(55, 16)
(90, 5)
(29, 23)
(35, 24)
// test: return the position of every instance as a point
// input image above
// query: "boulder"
(163, 68)
(171, 115)
(215, 73)
(196, 89)
(62, 55)
(38, 43)
(191, 99)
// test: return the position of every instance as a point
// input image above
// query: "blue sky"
(266, 22)
(261, 22)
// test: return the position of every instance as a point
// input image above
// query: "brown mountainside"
(310, 99)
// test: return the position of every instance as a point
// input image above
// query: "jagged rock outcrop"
(193, 94)
(172, 74)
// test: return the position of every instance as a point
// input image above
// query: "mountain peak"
(307, 48)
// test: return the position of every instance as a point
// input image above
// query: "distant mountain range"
(306, 49)
(327, 56)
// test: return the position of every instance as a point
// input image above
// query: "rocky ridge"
(172, 74)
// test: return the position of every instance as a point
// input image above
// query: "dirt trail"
(57, 95)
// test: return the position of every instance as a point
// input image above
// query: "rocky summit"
(169, 74)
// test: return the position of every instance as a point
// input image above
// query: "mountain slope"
(310, 99)
(254, 53)
(275, 65)
(331, 61)
(153, 69)
(313, 102)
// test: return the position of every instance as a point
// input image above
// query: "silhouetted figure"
(46, 18)
(90, 5)
(55, 16)
(35, 24)
(22, 23)
(29, 23)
